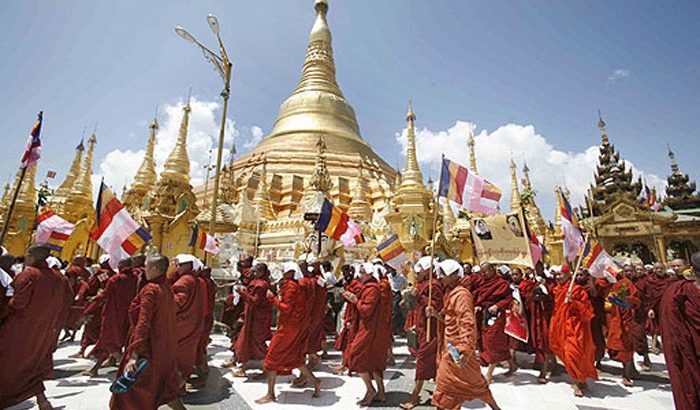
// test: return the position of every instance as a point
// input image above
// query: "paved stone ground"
(71, 391)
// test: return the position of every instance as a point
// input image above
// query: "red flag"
(33, 150)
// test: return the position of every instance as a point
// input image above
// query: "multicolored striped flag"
(117, 232)
(570, 227)
(33, 150)
(393, 253)
(204, 241)
(599, 263)
(332, 220)
(53, 230)
(468, 189)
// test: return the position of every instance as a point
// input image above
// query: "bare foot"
(90, 373)
(542, 379)
(238, 373)
(317, 387)
(111, 361)
(391, 361)
(489, 379)
(266, 399)
(337, 369)
(368, 399)
(229, 363)
(627, 382)
(44, 405)
(380, 397)
(260, 376)
(408, 405)
(510, 371)
(78, 355)
(299, 382)
(577, 390)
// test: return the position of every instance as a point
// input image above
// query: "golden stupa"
(19, 233)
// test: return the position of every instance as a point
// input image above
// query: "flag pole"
(432, 249)
(578, 265)
(8, 216)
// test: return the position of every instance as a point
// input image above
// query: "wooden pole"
(8, 216)
(432, 250)
(573, 277)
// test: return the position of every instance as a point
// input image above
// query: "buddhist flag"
(353, 236)
(53, 230)
(204, 241)
(117, 232)
(33, 150)
(393, 253)
(598, 262)
(570, 227)
(468, 189)
(332, 221)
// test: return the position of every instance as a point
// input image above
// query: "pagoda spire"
(674, 164)
(146, 176)
(262, 200)
(177, 166)
(360, 208)
(320, 179)
(79, 203)
(515, 191)
(603, 131)
(680, 191)
(61, 194)
(411, 175)
(472, 156)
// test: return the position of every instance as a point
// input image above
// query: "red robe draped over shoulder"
(190, 300)
(210, 288)
(287, 349)
(641, 345)
(151, 336)
(454, 385)
(257, 314)
(385, 310)
(368, 352)
(490, 292)
(540, 306)
(29, 335)
(318, 313)
(570, 335)
(680, 331)
(350, 321)
(114, 302)
(620, 322)
(426, 354)
(655, 287)
(93, 323)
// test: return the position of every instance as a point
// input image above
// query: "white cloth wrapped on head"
(53, 262)
(371, 270)
(186, 257)
(380, 269)
(294, 267)
(476, 269)
(104, 258)
(450, 267)
(424, 264)
(503, 270)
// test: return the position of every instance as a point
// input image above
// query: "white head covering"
(371, 270)
(53, 262)
(503, 270)
(356, 269)
(380, 269)
(293, 266)
(104, 258)
(186, 257)
(476, 268)
(424, 263)
(451, 266)
(311, 258)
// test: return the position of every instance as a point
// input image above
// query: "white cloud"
(617, 75)
(549, 167)
(256, 136)
(119, 166)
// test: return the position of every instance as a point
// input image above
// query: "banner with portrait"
(501, 239)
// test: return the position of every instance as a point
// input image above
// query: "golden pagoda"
(532, 211)
(58, 201)
(171, 205)
(514, 189)
(472, 156)
(19, 234)
(135, 198)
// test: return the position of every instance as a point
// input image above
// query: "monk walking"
(288, 347)
(29, 335)
(570, 335)
(93, 321)
(152, 337)
(426, 354)
(641, 345)
(77, 274)
(257, 315)
(491, 297)
(210, 299)
(368, 353)
(459, 377)
(680, 330)
(540, 301)
(620, 307)
(656, 285)
(350, 318)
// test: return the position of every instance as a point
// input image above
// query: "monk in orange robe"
(570, 335)
(257, 314)
(620, 305)
(190, 300)
(368, 352)
(459, 377)
(680, 330)
(29, 335)
(492, 296)
(426, 354)
(152, 337)
(288, 347)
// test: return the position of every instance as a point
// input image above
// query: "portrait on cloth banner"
(500, 239)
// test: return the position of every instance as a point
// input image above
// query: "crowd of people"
(455, 317)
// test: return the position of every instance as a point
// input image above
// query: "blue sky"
(551, 65)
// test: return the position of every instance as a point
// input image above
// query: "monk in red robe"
(114, 302)
(368, 354)
(257, 315)
(540, 302)
(597, 291)
(459, 377)
(317, 335)
(522, 287)
(641, 345)
(93, 318)
(680, 330)
(656, 284)
(190, 300)
(491, 297)
(620, 305)
(308, 287)
(386, 311)
(570, 335)
(77, 274)
(210, 291)
(289, 344)
(350, 318)
(426, 353)
(152, 337)
(29, 335)
(231, 316)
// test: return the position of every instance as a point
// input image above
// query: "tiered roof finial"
(64, 190)
(515, 190)
(360, 208)
(672, 157)
(177, 166)
(82, 188)
(262, 196)
(680, 191)
(146, 175)
(603, 131)
(411, 175)
(472, 156)
(320, 179)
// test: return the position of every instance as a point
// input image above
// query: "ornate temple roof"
(680, 192)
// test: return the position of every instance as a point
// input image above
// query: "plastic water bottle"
(126, 381)
(453, 352)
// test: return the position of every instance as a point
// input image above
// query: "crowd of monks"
(455, 317)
